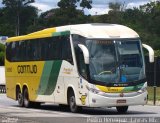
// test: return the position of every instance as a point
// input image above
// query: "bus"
(83, 65)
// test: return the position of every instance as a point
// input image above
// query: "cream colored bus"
(85, 65)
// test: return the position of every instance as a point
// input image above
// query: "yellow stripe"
(45, 31)
(110, 89)
(39, 34)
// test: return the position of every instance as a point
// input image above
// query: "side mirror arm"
(151, 52)
(85, 53)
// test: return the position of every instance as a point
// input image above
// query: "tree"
(150, 24)
(59, 17)
(6, 26)
(67, 4)
(15, 8)
(70, 14)
(16, 3)
(72, 4)
(86, 4)
(67, 13)
(116, 12)
(28, 18)
(115, 6)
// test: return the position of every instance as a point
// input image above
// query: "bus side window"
(44, 46)
(80, 62)
(66, 49)
(22, 51)
(9, 51)
(14, 51)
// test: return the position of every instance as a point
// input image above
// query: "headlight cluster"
(93, 90)
(143, 89)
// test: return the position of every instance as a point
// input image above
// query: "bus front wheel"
(122, 109)
(72, 102)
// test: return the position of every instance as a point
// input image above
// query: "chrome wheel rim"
(26, 99)
(72, 103)
(20, 100)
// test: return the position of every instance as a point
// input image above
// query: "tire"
(72, 103)
(20, 98)
(122, 109)
(27, 103)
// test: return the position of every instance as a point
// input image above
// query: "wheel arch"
(18, 87)
(25, 86)
(71, 88)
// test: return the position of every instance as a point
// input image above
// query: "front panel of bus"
(116, 71)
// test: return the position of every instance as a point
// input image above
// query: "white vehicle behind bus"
(2, 79)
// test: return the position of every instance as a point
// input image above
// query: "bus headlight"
(93, 90)
(143, 89)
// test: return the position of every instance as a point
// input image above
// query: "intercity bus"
(84, 65)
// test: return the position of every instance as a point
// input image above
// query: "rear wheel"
(27, 103)
(20, 98)
(122, 109)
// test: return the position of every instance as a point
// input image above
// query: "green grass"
(151, 93)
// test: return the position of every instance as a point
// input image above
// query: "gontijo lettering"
(27, 69)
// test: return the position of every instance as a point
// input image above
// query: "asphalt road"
(49, 113)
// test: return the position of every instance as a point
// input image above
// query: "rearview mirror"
(151, 52)
(85, 53)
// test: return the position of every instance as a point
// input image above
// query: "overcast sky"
(98, 6)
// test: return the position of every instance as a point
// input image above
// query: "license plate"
(121, 101)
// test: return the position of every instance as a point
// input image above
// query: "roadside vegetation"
(151, 93)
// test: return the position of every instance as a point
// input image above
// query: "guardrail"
(2, 89)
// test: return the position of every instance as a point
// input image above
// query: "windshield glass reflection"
(115, 61)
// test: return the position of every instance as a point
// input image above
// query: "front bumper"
(96, 100)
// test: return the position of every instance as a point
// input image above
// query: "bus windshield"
(115, 61)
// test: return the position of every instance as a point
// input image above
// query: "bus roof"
(96, 30)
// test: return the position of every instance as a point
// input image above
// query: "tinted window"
(82, 68)
(53, 48)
